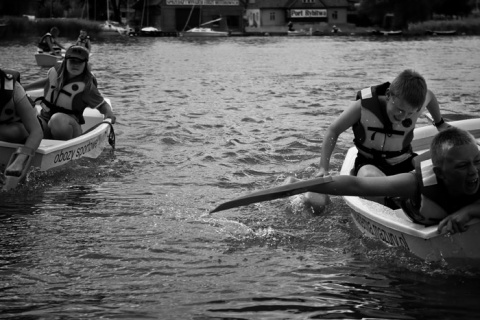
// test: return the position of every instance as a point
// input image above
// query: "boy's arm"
(347, 119)
(457, 222)
(434, 109)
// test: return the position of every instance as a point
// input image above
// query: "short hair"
(54, 30)
(410, 86)
(447, 139)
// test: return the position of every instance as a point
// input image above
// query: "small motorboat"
(204, 32)
(386, 33)
(115, 28)
(296, 33)
(441, 32)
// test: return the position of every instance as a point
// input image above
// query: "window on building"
(308, 1)
(272, 16)
(335, 15)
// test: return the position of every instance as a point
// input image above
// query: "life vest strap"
(55, 109)
(377, 154)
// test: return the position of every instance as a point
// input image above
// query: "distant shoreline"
(14, 27)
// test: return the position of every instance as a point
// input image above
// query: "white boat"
(55, 153)
(395, 228)
(204, 32)
(115, 28)
(297, 33)
(47, 60)
(387, 33)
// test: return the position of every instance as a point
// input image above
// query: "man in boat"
(383, 118)
(68, 90)
(49, 42)
(18, 123)
(445, 189)
(84, 40)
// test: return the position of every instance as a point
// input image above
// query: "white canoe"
(55, 153)
(394, 228)
(47, 60)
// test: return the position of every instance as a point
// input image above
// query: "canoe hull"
(47, 60)
(56, 153)
(394, 228)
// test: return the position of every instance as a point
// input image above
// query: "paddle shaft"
(273, 193)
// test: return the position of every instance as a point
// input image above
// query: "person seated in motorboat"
(84, 40)
(18, 122)
(383, 118)
(68, 90)
(49, 44)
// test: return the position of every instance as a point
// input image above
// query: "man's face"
(460, 170)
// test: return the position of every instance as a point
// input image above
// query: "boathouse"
(180, 15)
(272, 16)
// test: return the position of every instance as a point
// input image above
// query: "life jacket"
(432, 190)
(375, 135)
(68, 100)
(82, 42)
(43, 43)
(8, 80)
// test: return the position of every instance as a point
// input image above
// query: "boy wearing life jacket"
(48, 43)
(383, 118)
(84, 40)
(18, 122)
(68, 90)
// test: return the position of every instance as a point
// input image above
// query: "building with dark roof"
(239, 16)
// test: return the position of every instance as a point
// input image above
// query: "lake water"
(127, 236)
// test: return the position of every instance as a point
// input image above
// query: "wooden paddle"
(273, 193)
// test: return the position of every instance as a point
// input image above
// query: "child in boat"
(68, 90)
(383, 118)
(49, 42)
(84, 40)
(445, 190)
(18, 121)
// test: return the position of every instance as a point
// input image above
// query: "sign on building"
(308, 13)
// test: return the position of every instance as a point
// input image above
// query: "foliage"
(411, 11)
(468, 26)
(69, 28)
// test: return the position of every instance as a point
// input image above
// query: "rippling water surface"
(127, 236)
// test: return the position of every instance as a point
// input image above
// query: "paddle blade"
(273, 193)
